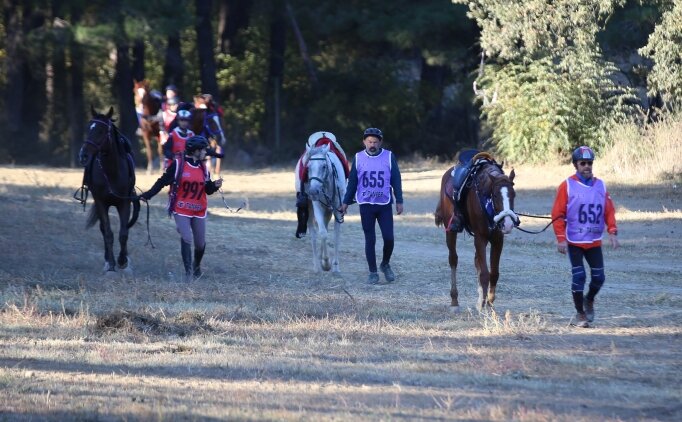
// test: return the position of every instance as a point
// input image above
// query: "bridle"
(207, 128)
(330, 200)
(497, 184)
(98, 154)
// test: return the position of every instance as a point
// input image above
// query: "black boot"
(198, 255)
(186, 250)
(302, 214)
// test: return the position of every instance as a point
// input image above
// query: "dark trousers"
(369, 215)
(595, 260)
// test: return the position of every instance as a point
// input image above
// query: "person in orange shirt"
(582, 210)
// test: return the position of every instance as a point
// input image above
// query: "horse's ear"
(92, 110)
(111, 112)
(512, 175)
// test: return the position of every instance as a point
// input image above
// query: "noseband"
(497, 183)
(98, 146)
(329, 200)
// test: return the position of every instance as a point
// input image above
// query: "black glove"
(144, 197)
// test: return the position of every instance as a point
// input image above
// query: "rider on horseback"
(178, 137)
(317, 139)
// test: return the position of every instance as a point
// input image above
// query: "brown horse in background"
(148, 106)
(206, 122)
(487, 206)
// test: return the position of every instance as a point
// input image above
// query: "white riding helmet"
(312, 140)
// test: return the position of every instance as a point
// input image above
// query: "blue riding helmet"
(194, 143)
(184, 115)
(372, 131)
(582, 153)
(172, 87)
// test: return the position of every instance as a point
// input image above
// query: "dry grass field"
(262, 337)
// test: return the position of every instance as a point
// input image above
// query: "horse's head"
(503, 198)
(319, 170)
(140, 89)
(99, 136)
(207, 124)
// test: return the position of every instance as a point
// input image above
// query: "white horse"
(326, 187)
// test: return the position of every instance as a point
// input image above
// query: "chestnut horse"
(110, 176)
(148, 105)
(206, 122)
(487, 205)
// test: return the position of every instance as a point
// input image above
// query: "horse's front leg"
(159, 151)
(108, 235)
(496, 243)
(322, 217)
(124, 216)
(313, 230)
(480, 260)
(451, 241)
(148, 149)
(337, 239)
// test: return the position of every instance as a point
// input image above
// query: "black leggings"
(595, 259)
(369, 215)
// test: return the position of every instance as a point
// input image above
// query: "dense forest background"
(530, 79)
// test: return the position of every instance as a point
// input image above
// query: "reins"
(330, 201)
(536, 216)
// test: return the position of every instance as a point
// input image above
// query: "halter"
(494, 222)
(207, 127)
(98, 154)
(329, 200)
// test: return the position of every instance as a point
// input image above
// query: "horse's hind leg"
(108, 236)
(148, 150)
(159, 150)
(337, 239)
(451, 241)
(496, 244)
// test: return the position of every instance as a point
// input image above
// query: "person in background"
(175, 146)
(190, 184)
(581, 211)
(374, 180)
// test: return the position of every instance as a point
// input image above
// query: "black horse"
(110, 177)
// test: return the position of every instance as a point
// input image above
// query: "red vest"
(191, 200)
(179, 141)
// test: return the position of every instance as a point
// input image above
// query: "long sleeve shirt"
(560, 207)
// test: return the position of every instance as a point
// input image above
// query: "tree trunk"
(34, 104)
(59, 94)
(76, 108)
(173, 67)
(209, 84)
(13, 101)
(123, 90)
(276, 72)
(233, 16)
(138, 60)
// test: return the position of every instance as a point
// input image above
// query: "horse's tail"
(136, 212)
(93, 217)
(438, 214)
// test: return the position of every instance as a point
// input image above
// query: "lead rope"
(536, 216)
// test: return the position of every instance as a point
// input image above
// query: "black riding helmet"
(372, 131)
(194, 143)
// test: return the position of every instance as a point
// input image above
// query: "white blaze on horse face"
(507, 223)
(141, 92)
